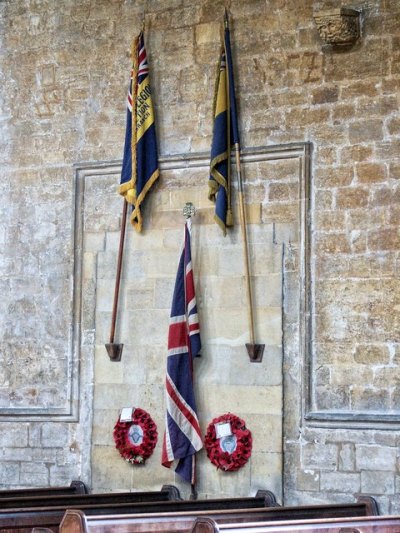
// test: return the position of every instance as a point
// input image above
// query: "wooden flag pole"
(188, 212)
(254, 350)
(115, 350)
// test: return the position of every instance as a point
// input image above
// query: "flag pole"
(115, 350)
(189, 211)
(255, 351)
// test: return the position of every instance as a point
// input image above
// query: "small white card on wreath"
(223, 429)
(126, 414)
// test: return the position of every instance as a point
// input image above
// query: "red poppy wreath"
(228, 452)
(136, 440)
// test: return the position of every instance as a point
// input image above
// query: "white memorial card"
(126, 414)
(223, 429)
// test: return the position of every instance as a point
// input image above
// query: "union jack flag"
(140, 161)
(182, 437)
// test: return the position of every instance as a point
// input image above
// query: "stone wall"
(225, 379)
(63, 83)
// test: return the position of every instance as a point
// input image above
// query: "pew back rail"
(76, 487)
(78, 521)
(167, 493)
(371, 524)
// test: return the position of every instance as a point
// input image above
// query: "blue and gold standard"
(140, 163)
(225, 134)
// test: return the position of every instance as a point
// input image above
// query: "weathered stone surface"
(325, 95)
(370, 354)
(370, 173)
(314, 455)
(333, 243)
(272, 464)
(366, 131)
(308, 480)
(352, 198)
(347, 458)
(386, 195)
(54, 435)
(384, 239)
(34, 474)
(340, 482)
(376, 457)
(337, 177)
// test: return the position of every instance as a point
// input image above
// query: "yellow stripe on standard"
(144, 110)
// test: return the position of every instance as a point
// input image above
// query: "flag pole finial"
(226, 18)
(189, 210)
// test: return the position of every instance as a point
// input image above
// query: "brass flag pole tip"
(189, 210)
(256, 352)
(114, 351)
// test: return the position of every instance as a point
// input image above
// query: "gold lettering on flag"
(144, 111)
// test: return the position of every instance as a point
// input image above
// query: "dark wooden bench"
(78, 521)
(138, 502)
(371, 524)
(76, 487)
(24, 520)
(167, 493)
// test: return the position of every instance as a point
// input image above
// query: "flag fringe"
(136, 213)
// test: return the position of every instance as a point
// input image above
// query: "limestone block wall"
(62, 97)
(225, 379)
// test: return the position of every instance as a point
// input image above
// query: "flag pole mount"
(256, 352)
(114, 350)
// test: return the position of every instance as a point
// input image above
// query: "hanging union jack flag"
(140, 162)
(182, 437)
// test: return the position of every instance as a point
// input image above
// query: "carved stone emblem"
(338, 27)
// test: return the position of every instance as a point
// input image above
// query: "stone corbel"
(338, 27)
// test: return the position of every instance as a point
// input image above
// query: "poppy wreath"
(231, 454)
(136, 440)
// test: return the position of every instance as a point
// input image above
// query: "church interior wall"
(324, 403)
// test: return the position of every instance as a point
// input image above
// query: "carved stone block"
(338, 27)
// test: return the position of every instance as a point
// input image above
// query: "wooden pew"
(168, 500)
(371, 524)
(78, 521)
(23, 520)
(76, 487)
(32, 500)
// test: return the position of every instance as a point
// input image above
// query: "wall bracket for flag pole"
(255, 352)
